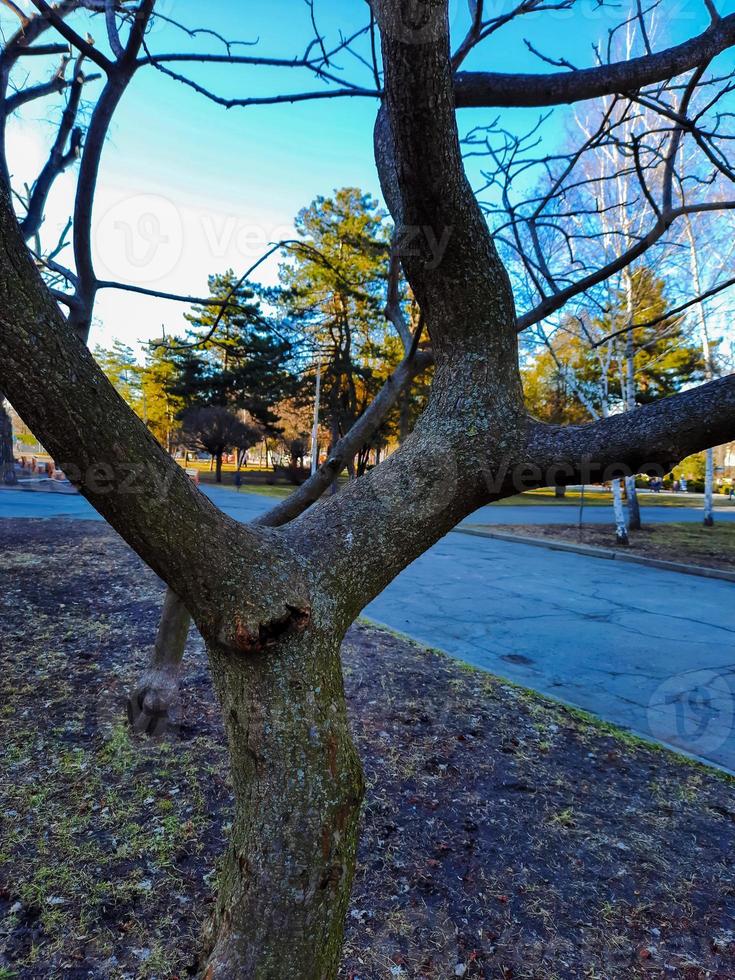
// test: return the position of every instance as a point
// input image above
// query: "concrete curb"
(594, 552)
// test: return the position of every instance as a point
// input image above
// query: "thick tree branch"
(496, 89)
(205, 557)
(650, 439)
(461, 286)
(363, 536)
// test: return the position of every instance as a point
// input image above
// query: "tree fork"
(155, 685)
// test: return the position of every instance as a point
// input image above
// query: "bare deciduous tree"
(273, 603)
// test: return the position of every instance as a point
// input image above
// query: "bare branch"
(56, 20)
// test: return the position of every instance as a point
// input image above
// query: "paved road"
(245, 506)
(641, 647)
(647, 649)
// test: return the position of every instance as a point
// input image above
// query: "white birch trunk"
(709, 489)
(621, 528)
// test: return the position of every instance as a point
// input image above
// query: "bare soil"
(503, 836)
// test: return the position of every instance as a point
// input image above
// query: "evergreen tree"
(161, 405)
(666, 356)
(122, 368)
(334, 291)
(561, 387)
(234, 357)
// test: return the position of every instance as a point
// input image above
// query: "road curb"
(592, 551)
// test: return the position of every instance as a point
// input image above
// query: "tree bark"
(488, 89)
(7, 455)
(298, 785)
(174, 626)
(218, 467)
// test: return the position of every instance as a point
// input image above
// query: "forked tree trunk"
(7, 457)
(285, 885)
(154, 704)
(709, 489)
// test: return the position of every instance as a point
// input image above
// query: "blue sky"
(188, 188)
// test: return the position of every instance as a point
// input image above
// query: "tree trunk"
(621, 529)
(285, 885)
(7, 456)
(560, 491)
(634, 506)
(709, 489)
(218, 470)
(154, 705)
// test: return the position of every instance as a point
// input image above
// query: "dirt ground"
(503, 836)
(692, 544)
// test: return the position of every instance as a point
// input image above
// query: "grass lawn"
(712, 547)
(601, 498)
(503, 836)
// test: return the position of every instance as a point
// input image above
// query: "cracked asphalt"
(647, 649)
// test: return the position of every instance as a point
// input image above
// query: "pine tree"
(334, 291)
(666, 356)
(234, 357)
(161, 405)
(122, 368)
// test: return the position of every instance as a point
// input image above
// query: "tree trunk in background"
(560, 491)
(634, 506)
(7, 456)
(621, 529)
(154, 704)
(285, 885)
(709, 489)
(218, 468)
(709, 370)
